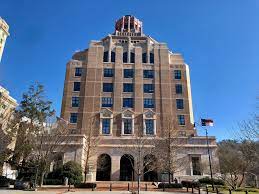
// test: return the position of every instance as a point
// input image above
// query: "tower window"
(128, 73)
(113, 55)
(177, 74)
(107, 87)
(148, 88)
(196, 169)
(149, 126)
(178, 89)
(78, 71)
(107, 102)
(125, 57)
(106, 56)
(128, 102)
(108, 72)
(148, 73)
(149, 103)
(151, 56)
(179, 104)
(76, 86)
(181, 120)
(73, 117)
(144, 57)
(132, 57)
(106, 126)
(75, 101)
(127, 87)
(127, 126)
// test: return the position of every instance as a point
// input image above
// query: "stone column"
(115, 170)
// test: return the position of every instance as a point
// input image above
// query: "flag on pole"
(207, 122)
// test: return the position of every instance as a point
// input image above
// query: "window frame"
(128, 87)
(76, 86)
(148, 73)
(75, 99)
(149, 105)
(73, 118)
(78, 71)
(126, 101)
(128, 73)
(106, 88)
(148, 88)
(177, 74)
(179, 103)
(108, 72)
(181, 120)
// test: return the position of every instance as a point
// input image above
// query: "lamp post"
(208, 148)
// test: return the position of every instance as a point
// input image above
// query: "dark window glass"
(107, 72)
(148, 73)
(106, 126)
(76, 86)
(107, 87)
(113, 56)
(177, 74)
(105, 56)
(128, 102)
(149, 103)
(179, 103)
(132, 57)
(149, 126)
(75, 101)
(127, 87)
(73, 117)
(125, 57)
(148, 88)
(178, 89)
(78, 71)
(107, 102)
(196, 166)
(128, 73)
(127, 126)
(181, 120)
(144, 57)
(151, 56)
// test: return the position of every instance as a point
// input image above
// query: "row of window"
(149, 123)
(125, 57)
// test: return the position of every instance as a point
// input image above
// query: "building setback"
(4, 33)
(128, 82)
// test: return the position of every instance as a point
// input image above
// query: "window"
(128, 102)
(106, 126)
(128, 73)
(179, 104)
(73, 117)
(149, 103)
(148, 73)
(107, 102)
(78, 71)
(107, 72)
(178, 89)
(113, 56)
(196, 170)
(132, 57)
(144, 57)
(181, 120)
(177, 74)
(148, 88)
(76, 86)
(151, 56)
(149, 126)
(127, 87)
(127, 126)
(125, 57)
(107, 87)
(105, 56)
(75, 101)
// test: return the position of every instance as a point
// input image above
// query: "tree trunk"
(138, 183)
(242, 179)
(169, 177)
(42, 178)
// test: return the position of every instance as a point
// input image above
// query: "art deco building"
(129, 82)
(3, 35)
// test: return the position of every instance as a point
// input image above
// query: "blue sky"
(219, 40)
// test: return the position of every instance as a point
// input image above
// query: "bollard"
(110, 186)
(187, 188)
(207, 191)
(93, 187)
(164, 187)
(146, 187)
(192, 188)
(199, 191)
(229, 191)
(246, 192)
(217, 191)
(128, 186)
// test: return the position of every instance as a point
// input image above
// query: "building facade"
(4, 33)
(130, 83)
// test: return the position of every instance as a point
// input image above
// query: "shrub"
(85, 185)
(4, 182)
(190, 184)
(53, 182)
(172, 185)
(73, 171)
(208, 180)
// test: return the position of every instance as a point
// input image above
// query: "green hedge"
(85, 185)
(208, 180)
(53, 182)
(172, 185)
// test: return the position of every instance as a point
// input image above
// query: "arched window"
(150, 168)
(103, 168)
(105, 56)
(113, 56)
(106, 119)
(127, 168)
(125, 57)
(132, 57)
(144, 57)
(151, 56)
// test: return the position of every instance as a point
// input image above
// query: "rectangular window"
(151, 57)
(107, 87)
(78, 71)
(177, 74)
(178, 89)
(132, 57)
(181, 120)
(148, 73)
(125, 57)
(76, 86)
(149, 103)
(107, 102)
(127, 87)
(107, 72)
(106, 126)
(105, 56)
(148, 88)
(179, 104)
(75, 101)
(128, 73)
(128, 102)
(196, 168)
(127, 126)
(149, 126)
(73, 117)
(144, 57)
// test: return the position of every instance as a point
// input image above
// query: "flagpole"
(211, 175)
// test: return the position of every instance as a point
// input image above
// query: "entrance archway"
(103, 168)
(127, 168)
(150, 167)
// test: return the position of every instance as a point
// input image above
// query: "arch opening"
(103, 168)
(127, 168)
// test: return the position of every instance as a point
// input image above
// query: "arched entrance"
(150, 167)
(103, 168)
(127, 168)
